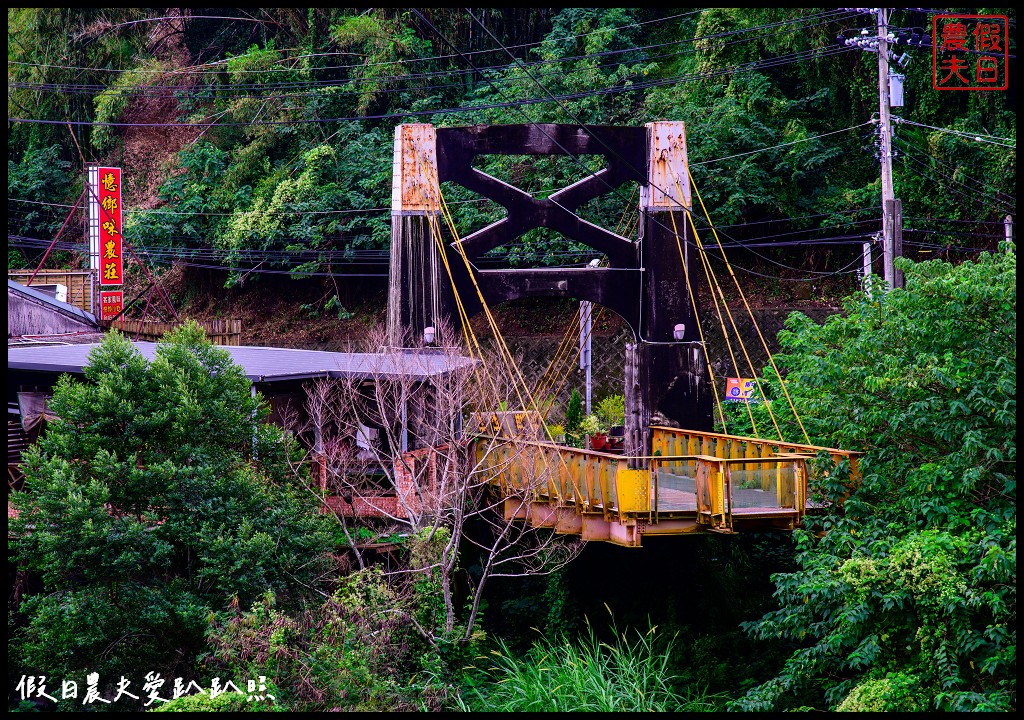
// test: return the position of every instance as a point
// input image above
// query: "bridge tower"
(644, 282)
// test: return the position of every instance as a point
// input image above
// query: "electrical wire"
(577, 121)
(470, 109)
(827, 16)
(976, 137)
(346, 67)
(905, 145)
(957, 220)
(973, 193)
(707, 161)
(845, 270)
(810, 138)
(782, 145)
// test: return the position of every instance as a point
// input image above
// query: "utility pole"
(891, 211)
(885, 134)
(586, 330)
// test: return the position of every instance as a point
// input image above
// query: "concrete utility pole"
(586, 327)
(885, 135)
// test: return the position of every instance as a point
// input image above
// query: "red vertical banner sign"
(111, 264)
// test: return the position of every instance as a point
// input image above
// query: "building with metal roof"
(32, 312)
(262, 365)
(281, 375)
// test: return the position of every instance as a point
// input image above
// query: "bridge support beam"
(651, 284)
(420, 291)
(672, 382)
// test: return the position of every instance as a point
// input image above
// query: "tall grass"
(630, 675)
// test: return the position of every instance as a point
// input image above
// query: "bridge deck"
(694, 482)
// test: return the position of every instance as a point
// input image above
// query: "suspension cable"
(739, 289)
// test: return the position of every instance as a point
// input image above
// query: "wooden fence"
(220, 332)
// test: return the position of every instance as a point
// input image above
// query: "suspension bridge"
(675, 475)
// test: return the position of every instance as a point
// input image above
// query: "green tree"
(905, 594)
(574, 419)
(41, 177)
(158, 496)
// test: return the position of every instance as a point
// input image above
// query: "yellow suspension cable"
(547, 379)
(503, 347)
(712, 286)
(771, 359)
(739, 337)
(503, 350)
(467, 328)
(696, 316)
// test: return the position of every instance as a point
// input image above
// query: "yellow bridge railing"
(694, 482)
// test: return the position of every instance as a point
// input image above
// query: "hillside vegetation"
(257, 143)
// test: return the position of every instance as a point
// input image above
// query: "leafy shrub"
(225, 702)
(592, 425)
(357, 650)
(893, 693)
(612, 410)
(906, 593)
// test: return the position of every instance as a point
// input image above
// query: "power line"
(973, 195)
(819, 275)
(763, 65)
(973, 191)
(762, 238)
(525, 70)
(157, 211)
(976, 137)
(236, 91)
(980, 186)
(953, 232)
(831, 15)
(776, 147)
(957, 220)
(294, 58)
(469, 108)
(792, 218)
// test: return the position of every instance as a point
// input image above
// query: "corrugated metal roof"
(262, 364)
(53, 302)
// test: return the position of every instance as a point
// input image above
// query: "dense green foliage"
(157, 496)
(630, 675)
(574, 419)
(611, 409)
(357, 650)
(38, 178)
(295, 170)
(905, 596)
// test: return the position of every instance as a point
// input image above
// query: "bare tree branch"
(399, 448)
